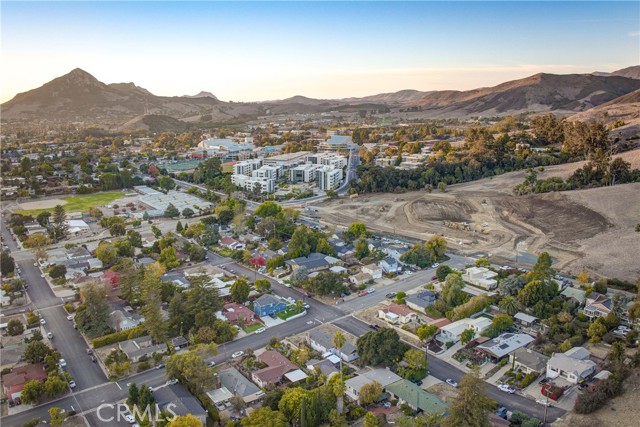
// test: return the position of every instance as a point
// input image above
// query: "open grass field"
(79, 203)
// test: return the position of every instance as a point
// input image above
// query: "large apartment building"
(328, 177)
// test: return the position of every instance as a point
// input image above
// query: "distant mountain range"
(80, 97)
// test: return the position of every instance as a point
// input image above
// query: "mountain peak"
(201, 94)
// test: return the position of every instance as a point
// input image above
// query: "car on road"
(417, 382)
(160, 366)
(50, 335)
(237, 354)
(62, 363)
(259, 330)
(211, 364)
(362, 293)
(93, 359)
(43, 322)
(391, 295)
(434, 277)
(451, 382)
(172, 381)
(129, 418)
(288, 285)
(371, 290)
(69, 317)
(506, 388)
(307, 306)
(89, 351)
(374, 326)
(72, 384)
(502, 412)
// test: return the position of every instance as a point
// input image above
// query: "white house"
(374, 270)
(452, 331)
(383, 376)
(573, 365)
(481, 277)
(397, 314)
(361, 278)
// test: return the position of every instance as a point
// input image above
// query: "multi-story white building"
(328, 159)
(246, 167)
(250, 183)
(328, 177)
(303, 173)
(267, 172)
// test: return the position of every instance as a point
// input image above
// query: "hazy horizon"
(265, 51)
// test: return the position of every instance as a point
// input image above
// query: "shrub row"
(115, 337)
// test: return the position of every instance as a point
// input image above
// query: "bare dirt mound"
(555, 215)
(440, 210)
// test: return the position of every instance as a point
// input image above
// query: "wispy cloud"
(634, 34)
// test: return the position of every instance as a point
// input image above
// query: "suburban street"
(94, 389)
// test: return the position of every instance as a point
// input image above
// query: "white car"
(69, 317)
(50, 335)
(172, 381)
(506, 388)
(129, 418)
(211, 364)
(451, 382)
(259, 330)
(72, 384)
(237, 354)
(43, 322)
(62, 363)
(543, 402)
(370, 290)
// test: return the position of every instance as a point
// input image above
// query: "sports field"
(79, 203)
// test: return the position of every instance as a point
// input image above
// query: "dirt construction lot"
(592, 229)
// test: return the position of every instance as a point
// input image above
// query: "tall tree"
(60, 226)
(471, 406)
(92, 316)
(240, 290)
(7, 264)
(151, 303)
(339, 340)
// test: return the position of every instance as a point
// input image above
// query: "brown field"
(592, 229)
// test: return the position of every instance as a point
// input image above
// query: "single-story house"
(238, 385)
(314, 262)
(397, 314)
(12, 349)
(268, 305)
(179, 401)
(573, 365)
(179, 342)
(323, 342)
(231, 243)
(597, 305)
(138, 347)
(578, 294)
(78, 252)
(374, 270)
(360, 279)
(481, 277)
(277, 367)
(416, 397)
(14, 381)
(238, 314)
(325, 366)
(528, 360)
(121, 320)
(177, 278)
(389, 265)
(383, 376)
(525, 319)
(452, 331)
(504, 344)
(421, 300)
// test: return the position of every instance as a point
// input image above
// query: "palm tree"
(339, 341)
(509, 305)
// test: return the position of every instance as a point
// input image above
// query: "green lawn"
(251, 328)
(290, 311)
(82, 202)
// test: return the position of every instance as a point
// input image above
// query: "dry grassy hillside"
(590, 229)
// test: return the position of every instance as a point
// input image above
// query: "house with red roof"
(397, 314)
(277, 368)
(14, 381)
(238, 313)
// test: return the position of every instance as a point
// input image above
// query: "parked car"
(543, 402)
(506, 388)
(451, 382)
(93, 359)
(237, 354)
(374, 326)
(260, 330)
(62, 363)
(417, 382)
(502, 412)
(391, 295)
(434, 277)
(362, 293)
(129, 418)
(160, 366)
(211, 364)
(43, 322)
(371, 290)
(172, 381)
(306, 306)
(72, 384)
(69, 317)
(89, 351)
(50, 335)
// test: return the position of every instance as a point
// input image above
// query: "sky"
(255, 51)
